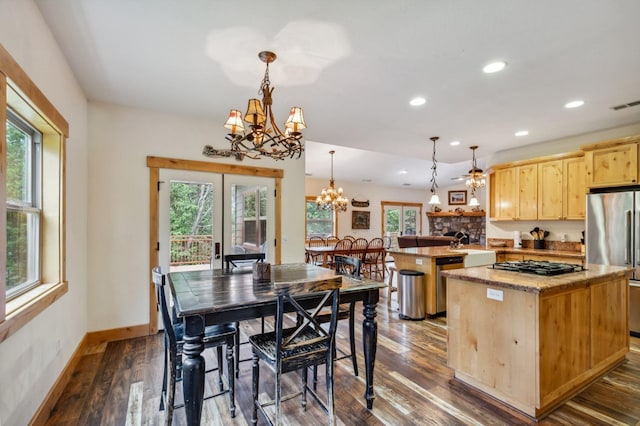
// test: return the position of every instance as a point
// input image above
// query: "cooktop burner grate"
(538, 267)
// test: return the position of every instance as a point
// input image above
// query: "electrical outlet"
(418, 261)
(494, 294)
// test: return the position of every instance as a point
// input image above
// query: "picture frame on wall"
(360, 219)
(458, 197)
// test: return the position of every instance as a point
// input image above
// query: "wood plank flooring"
(119, 384)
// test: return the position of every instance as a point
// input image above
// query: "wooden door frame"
(156, 163)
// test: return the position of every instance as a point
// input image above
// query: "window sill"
(24, 308)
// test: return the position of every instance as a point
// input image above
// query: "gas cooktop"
(538, 267)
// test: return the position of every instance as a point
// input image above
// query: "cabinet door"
(574, 188)
(616, 165)
(550, 195)
(505, 194)
(527, 195)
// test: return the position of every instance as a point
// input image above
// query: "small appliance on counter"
(517, 239)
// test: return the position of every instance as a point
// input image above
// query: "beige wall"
(32, 358)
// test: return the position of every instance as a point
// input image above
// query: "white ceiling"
(354, 65)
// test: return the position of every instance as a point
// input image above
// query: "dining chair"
(344, 244)
(359, 245)
(214, 337)
(374, 259)
(348, 266)
(349, 237)
(297, 348)
(315, 242)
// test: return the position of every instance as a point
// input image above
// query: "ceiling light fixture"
(264, 138)
(330, 198)
(494, 67)
(473, 202)
(454, 143)
(417, 101)
(476, 177)
(522, 133)
(435, 199)
(574, 104)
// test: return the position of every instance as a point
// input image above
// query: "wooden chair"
(297, 348)
(349, 237)
(374, 259)
(214, 337)
(359, 245)
(344, 244)
(315, 242)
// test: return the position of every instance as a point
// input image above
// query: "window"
(320, 223)
(255, 216)
(33, 212)
(23, 163)
(402, 218)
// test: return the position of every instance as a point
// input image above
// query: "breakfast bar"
(533, 341)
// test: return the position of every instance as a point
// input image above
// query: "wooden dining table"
(204, 298)
(329, 251)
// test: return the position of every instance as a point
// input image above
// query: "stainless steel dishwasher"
(442, 264)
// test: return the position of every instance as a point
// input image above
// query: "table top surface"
(219, 290)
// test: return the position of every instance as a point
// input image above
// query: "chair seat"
(265, 344)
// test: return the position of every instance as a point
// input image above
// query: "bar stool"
(390, 287)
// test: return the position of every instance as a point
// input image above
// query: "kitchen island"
(534, 341)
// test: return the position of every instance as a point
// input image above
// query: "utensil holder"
(262, 272)
(538, 244)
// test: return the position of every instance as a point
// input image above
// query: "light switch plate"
(418, 261)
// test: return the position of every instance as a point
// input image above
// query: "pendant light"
(332, 198)
(435, 199)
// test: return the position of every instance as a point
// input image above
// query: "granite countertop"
(536, 283)
(446, 251)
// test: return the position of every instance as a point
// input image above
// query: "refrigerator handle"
(627, 252)
(636, 242)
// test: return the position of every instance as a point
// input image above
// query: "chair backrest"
(347, 265)
(343, 244)
(349, 237)
(159, 279)
(290, 342)
(376, 243)
(317, 242)
(359, 244)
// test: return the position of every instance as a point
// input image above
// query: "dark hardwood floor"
(119, 384)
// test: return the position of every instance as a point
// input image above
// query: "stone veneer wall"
(475, 226)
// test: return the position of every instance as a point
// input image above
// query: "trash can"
(411, 294)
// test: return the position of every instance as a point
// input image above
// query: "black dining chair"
(297, 348)
(214, 337)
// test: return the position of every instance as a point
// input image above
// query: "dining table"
(216, 296)
(326, 252)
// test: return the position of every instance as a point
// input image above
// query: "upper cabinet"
(612, 163)
(551, 188)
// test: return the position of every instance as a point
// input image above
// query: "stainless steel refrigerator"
(613, 238)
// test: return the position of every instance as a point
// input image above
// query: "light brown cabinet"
(551, 188)
(514, 193)
(612, 163)
(561, 189)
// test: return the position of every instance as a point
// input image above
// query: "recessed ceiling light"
(403, 172)
(494, 67)
(574, 104)
(522, 133)
(454, 143)
(417, 101)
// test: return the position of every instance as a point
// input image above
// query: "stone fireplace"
(472, 223)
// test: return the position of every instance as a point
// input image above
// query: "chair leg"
(392, 271)
(219, 353)
(254, 386)
(352, 337)
(237, 348)
(315, 377)
(163, 394)
(171, 389)
(303, 373)
(278, 383)
(329, 378)
(232, 383)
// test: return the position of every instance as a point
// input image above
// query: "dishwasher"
(442, 264)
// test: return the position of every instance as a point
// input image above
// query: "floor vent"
(623, 106)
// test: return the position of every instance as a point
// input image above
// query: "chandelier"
(263, 138)
(476, 177)
(435, 199)
(330, 198)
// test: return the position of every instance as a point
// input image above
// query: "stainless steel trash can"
(411, 294)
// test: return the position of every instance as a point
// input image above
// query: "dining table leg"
(193, 370)
(370, 342)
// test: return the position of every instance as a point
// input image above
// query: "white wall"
(120, 140)
(571, 228)
(32, 358)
